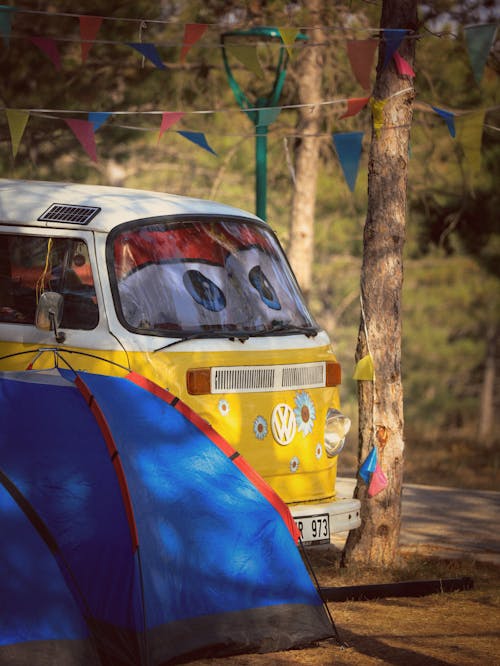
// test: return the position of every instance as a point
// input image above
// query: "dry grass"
(437, 630)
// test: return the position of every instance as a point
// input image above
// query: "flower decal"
(260, 427)
(319, 450)
(305, 412)
(294, 464)
(223, 407)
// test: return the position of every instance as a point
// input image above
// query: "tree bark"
(301, 245)
(487, 406)
(381, 400)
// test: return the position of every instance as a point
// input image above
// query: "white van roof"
(65, 205)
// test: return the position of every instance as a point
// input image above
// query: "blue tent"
(133, 534)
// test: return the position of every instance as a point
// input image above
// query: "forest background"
(451, 298)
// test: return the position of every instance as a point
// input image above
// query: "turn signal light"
(198, 381)
(333, 373)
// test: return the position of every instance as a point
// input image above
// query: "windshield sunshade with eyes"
(215, 277)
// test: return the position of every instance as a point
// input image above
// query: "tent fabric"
(132, 533)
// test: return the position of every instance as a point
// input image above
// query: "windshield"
(213, 277)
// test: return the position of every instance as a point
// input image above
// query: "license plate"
(314, 529)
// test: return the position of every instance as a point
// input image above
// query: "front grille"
(69, 213)
(249, 379)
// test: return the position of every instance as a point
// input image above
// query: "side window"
(30, 265)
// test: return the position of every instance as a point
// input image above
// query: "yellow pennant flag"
(247, 55)
(469, 132)
(288, 35)
(17, 123)
(364, 369)
(377, 107)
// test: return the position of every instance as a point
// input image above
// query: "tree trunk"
(487, 407)
(301, 246)
(381, 400)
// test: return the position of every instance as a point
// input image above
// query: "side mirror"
(49, 313)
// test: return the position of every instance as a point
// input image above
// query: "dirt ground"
(461, 627)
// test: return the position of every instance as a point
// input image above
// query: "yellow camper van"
(194, 295)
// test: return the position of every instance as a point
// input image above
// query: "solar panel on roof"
(69, 213)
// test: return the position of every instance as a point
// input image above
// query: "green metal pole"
(261, 170)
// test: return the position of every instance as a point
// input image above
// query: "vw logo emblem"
(283, 424)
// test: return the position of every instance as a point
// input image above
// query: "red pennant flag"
(361, 53)
(168, 119)
(403, 67)
(49, 47)
(354, 106)
(378, 482)
(89, 27)
(84, 132)
(192, 33)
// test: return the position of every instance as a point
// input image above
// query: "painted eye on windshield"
(259, 281)
(204, 291)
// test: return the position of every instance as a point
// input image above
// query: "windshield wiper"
(242, 337)
(281, 327)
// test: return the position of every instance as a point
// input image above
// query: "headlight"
(336, 428)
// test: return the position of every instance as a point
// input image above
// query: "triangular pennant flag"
(378, 481)
(199, 139)
(348, 146)
(168, 119)
(50, 48)
(6, 23)
(377, 107)
(89, 27)
(393, 38)
(368, 466)
(84, 132)
(469, 134)
(361, 54)
(364, 369)
(267, 116)
(149, 51)
(403, 67)
(449, 119)
(247, 55)
(354, 106)
(17, 123)
(192, 33)
(479, 39)
(288, 35)
(98, 118)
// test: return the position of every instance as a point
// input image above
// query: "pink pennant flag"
(168, 119)
(361, 54)
(49, 47)
(378, 481)
(192, 33)
(89, 27)
(403, 67)
(354, 106)
(84, 132)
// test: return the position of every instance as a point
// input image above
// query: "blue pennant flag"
(393, 38)
(6, 23)
(150, 52)
(98, 118)
(199, 139)
(449, 118)
(348, 146)
(369, 465)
